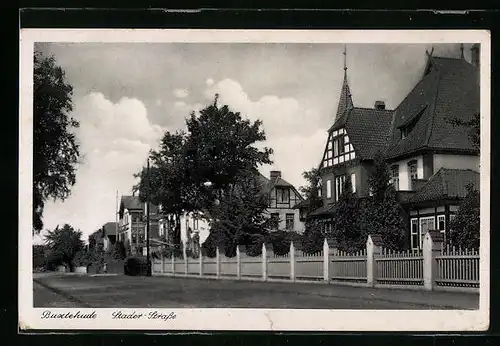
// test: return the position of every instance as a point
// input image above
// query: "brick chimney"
(380, 105)
(275, 174)
(475, 55)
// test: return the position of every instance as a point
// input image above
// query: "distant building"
(132, 224)
(430, 159)
(104, 237)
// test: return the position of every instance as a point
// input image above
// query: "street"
(165, 292)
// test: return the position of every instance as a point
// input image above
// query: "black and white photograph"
(197, 180)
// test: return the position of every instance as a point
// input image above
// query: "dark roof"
(269, 184)
(368, 129)
(109, 228)
(303, 204)
(448, 89)
(446, 184)
(134, 203)
(327, 209)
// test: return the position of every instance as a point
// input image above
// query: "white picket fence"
(432, 268)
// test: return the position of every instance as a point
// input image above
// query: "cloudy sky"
(126, 95)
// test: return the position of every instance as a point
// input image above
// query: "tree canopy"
(381, 214)
(310, 190)
(200, 169)
(64, 243)
(464, 228)
(55, 149)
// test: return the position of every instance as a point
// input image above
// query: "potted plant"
(81, 262)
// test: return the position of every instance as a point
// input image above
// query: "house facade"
(431, 159)
(104, 237)
(283, 198)
(132, 225)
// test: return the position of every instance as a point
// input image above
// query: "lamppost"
(148, 259)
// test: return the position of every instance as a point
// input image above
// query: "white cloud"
(159, 102)
(115, 139)
(293, 131)
(209, 81)
(181, 93)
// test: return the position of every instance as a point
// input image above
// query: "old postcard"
(254, 180)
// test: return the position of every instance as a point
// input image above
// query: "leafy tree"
(464, 228)
(218, 149)
(382, 213)
(55, 150)
(310, 191)
(64, 243)
(220, 145)
(39, 256)
(119, 252)
(345, 228)
(169, 183)
(240, 217)
(313, 237)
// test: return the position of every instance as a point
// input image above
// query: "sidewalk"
(113, 291)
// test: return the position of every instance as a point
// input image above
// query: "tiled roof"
(109, 228)
(448, 89)
(446, 183)
(134, 203)
(369, 130)
(327, 209)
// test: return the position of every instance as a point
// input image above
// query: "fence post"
(238, 262)
(373, 247)
(200, 262)
(173, 263)
(292, 261)
(162, 260)
(326, 261)
(332, 250)
(433, 241)
(184, 256)
(217, 259)
(264, 261)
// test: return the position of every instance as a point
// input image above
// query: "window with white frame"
(328, 188)
(319, 187)
(426, 224)
(339, 186)
(414, 234)
(412, 172)
(195, 223)
(353, 182)
(441, 222)
(289, 218)
(395, 177)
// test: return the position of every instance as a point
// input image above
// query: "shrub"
(136, 266)
(82, 259)
(119, 251)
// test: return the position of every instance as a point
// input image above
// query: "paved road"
(166, 292)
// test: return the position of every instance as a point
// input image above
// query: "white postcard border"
(248, 319)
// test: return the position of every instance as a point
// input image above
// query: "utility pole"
(147, 220)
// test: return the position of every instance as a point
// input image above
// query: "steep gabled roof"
(109, 228)
(369, 130)
(134, 203)
(448, 89)
(269, 184)
(446, 184)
